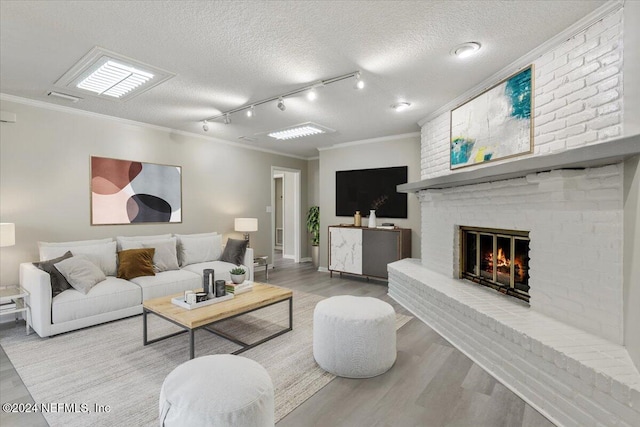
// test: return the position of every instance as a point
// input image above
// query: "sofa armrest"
(248, 262)
(38, 284)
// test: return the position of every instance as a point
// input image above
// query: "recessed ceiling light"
(401, 106)
(299, 131)
(465, 50)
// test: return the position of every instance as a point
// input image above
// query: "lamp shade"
(246, 224)
(7, 234)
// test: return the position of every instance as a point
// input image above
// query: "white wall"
(44, 179)
(385, 152)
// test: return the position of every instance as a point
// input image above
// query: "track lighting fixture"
(310, 89)
(359, 81)
(205, 126)
(281, 105)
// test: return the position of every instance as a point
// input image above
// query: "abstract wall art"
(128, 192)
(496, 124)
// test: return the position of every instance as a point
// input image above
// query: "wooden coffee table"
(261, 296)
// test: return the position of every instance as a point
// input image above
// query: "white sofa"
(114, 298)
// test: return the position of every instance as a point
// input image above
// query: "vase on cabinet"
(372, 218)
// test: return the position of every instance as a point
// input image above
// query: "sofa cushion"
(58, 282)
(234, 251)
(221, 269)
(109, 295)
(81, 273)
(192, 250)
(102, 254)
(135, 263)
(71, 244)
(122, 239)
(167, 283)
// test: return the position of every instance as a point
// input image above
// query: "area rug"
(107, 365)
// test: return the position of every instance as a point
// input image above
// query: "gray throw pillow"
(234, 251)
(165, 257)
(81, 273)
(58, 283)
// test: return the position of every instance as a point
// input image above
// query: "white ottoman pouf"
(354, 337)
(219, 390)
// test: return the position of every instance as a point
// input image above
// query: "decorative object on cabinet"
(130, 192)
(357, 219)
(367, 251)
(496, 124)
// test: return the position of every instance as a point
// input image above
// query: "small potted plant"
(237, 275)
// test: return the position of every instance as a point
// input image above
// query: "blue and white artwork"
(494, 125)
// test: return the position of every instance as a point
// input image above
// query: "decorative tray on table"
(179, 301)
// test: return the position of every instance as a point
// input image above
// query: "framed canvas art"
(129, 192)
(496, 124)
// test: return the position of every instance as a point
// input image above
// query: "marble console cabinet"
(367, 251)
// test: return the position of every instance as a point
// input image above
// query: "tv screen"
(358, 190)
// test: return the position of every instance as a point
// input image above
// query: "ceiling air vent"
(108, 75)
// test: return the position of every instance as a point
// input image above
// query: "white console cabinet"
(367, 251)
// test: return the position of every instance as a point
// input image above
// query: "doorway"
(285, 214)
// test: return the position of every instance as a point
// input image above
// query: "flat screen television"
(357, 190)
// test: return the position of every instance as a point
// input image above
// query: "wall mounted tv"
(356, 190)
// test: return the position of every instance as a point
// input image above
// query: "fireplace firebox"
(496, 258)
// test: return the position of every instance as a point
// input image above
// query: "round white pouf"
(354, 337)
(218, 390)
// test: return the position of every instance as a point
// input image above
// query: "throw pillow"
(234, 251)
(166, 256)
(102, 254)
(81, 273)
(58, 282)
(193, 250)
(135, 263)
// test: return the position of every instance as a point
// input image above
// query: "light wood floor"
(431, 384)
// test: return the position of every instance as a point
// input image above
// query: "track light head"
(205, 126)
(312, 95)
(359, 82)
(281, 105)
(227, 119)
(250, 111)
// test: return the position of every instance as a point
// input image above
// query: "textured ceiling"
(229, 53)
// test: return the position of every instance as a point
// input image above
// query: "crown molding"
(371, 141)
(579, 26)
(65, 109)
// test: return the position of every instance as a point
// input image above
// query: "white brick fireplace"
(564, 353)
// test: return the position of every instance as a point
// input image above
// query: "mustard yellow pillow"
(135, 263)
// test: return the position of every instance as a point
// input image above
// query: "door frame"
(296, 204)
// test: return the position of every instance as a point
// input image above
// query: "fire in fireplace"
(496, 258)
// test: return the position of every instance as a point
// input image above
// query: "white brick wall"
(575, 222)
(578, 97)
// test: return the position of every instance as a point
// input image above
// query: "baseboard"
(323, 269)
(305, 259)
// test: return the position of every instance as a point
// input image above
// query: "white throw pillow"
(192, 250)
(81, 273)
(103, 255)
(165, 257)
